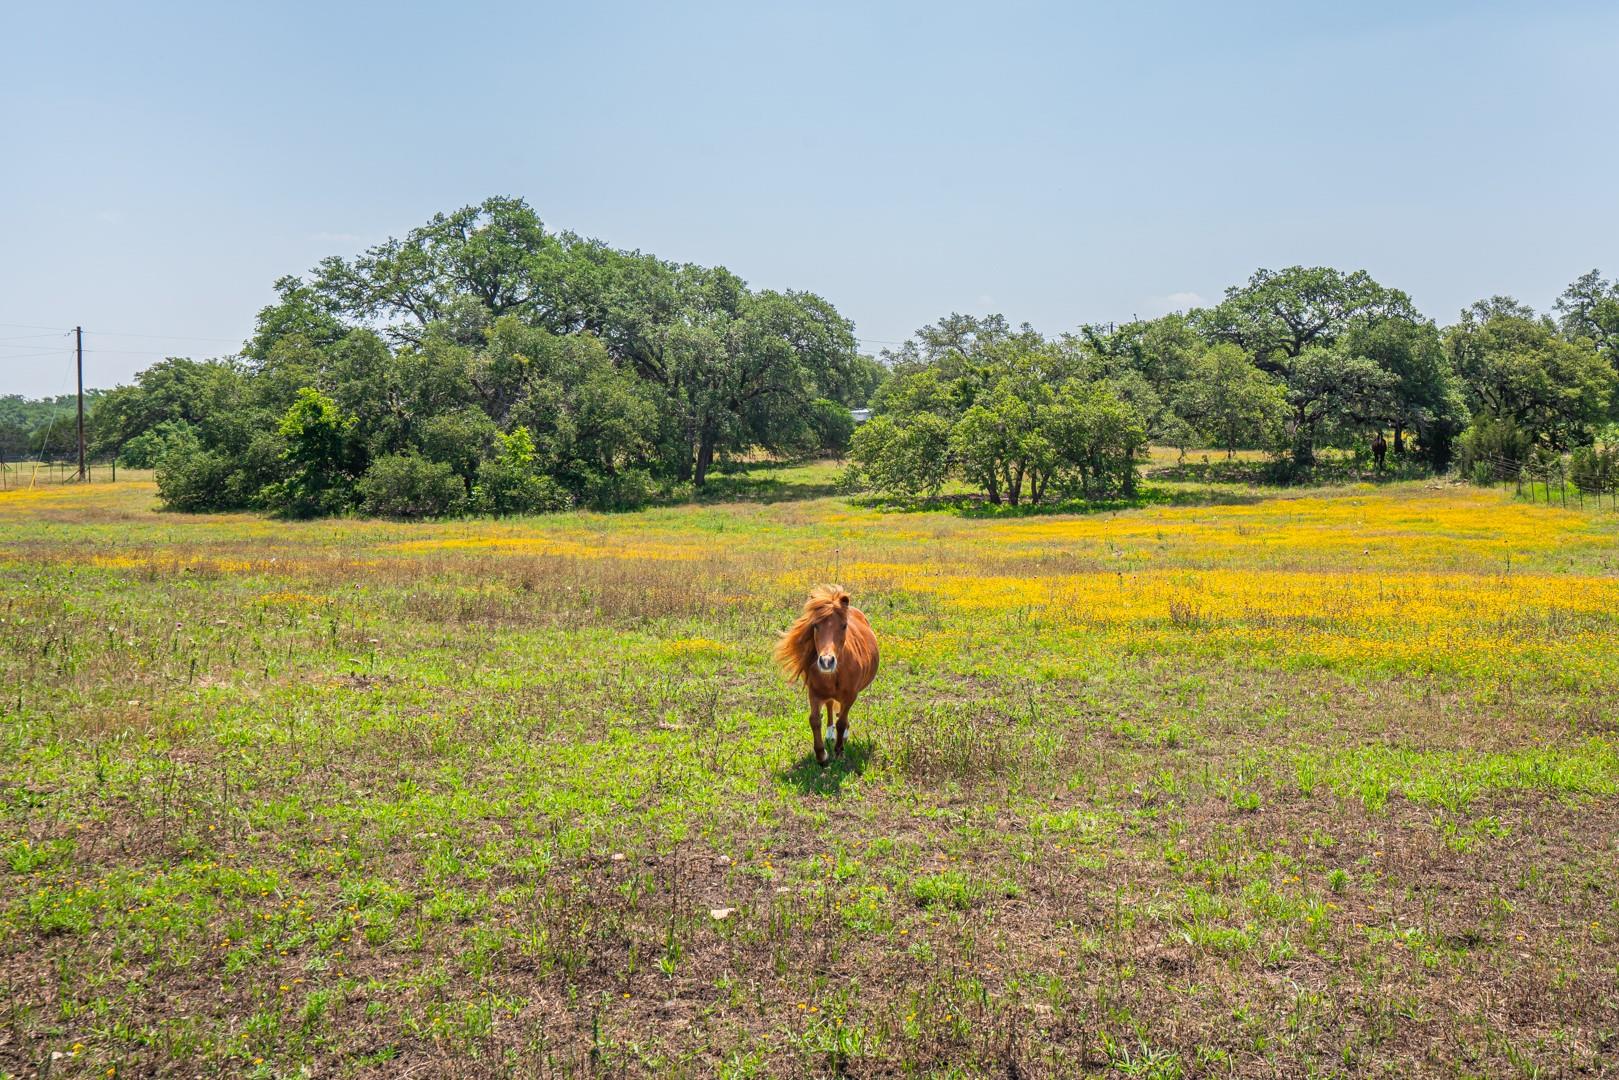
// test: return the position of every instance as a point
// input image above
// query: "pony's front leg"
(843, 726)
(815, 731)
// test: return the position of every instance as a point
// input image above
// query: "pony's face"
(829, 635)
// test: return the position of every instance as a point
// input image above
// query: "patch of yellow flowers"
(1409, 580)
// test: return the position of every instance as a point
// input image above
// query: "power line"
(117, 333)
(128, 352)
(45, 443)
(125, 352)
(31, 326)
(35, 337)
(27, 345)
(161, 337)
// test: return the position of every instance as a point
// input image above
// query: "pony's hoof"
(821, 761)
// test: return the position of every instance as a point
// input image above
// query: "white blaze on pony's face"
(829, 635)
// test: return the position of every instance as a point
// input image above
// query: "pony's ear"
(843, 599)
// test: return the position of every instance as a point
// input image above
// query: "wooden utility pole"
(78, 337)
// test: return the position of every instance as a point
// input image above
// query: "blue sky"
(161, 165)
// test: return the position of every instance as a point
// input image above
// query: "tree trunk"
(705, 458)
(1399, 441)
(683, 473)
(1303, 442)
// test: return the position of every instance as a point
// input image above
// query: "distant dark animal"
(1380, 449)
(832, 649)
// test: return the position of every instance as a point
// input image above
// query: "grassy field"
(1243, 782)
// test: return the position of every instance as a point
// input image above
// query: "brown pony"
(832, 649)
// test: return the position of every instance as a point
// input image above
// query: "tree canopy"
(484, 361)
(1281, 313)
(615, 372)
(1517, 368)
(1017, 417)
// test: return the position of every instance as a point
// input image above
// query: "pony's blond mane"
(795, 651)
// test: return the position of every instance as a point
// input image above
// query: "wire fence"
(26, 474)
(1554, 479)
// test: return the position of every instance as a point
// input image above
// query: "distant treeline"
(485, 363)
(1292, 361)
(41, 429)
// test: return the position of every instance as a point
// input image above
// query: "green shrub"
(510, 483)
(833, 425)
(322, 458)
(500, 491)
(623, 490)
(144, 450)
(192, 479)
(460, 439)
(409, 486)
(1282, 466)
(1492, 447)
(908, 456)
(262, 463)
(1595, 468)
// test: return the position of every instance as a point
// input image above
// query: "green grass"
(354, 798)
